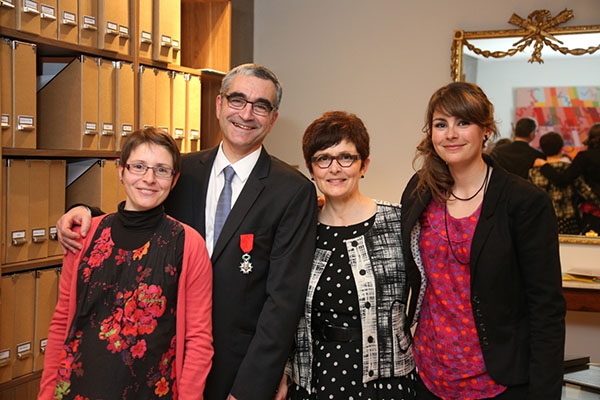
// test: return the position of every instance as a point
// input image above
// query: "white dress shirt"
(242, 169)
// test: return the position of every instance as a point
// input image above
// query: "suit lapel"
(205, 162)
(486, 217)
(243, 204)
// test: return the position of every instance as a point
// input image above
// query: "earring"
(362, 177)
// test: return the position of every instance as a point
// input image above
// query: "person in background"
(518, 157)
(565, 199)
(491, 146)
(482, 258)
(133, 319)
(587, 165)
(262, 256)
(352, 341)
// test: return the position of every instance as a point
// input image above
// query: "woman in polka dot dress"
(352, 341)
(485, 243)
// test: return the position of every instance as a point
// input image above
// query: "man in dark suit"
(518, 157)
(263, 254)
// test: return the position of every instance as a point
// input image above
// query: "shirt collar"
(242, 167)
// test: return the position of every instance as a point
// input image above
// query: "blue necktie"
(224, 203)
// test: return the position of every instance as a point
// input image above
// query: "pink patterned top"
(446, 344)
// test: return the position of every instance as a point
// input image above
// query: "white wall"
(381, 59)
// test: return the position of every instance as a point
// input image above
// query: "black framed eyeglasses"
(345, 160)
(259, 107)
(141, 169)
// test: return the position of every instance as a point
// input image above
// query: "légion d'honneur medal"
(246, 244)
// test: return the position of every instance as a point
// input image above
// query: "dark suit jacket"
(255, 315)
(516, 287)
(516, 157)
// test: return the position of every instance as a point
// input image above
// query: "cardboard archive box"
(145, 31)
(125, 107)
(48, 19)
(56, 202)
(114, 24)
(34, 199)
(192, 113)
(107, 104)
(162, 94)
(6, 328)
(147, 96)
(178, 100)
(96, 183)
(28, 17)
(8, 14)
(6, 114)
(18, 313)
(88, 23)
(38, 180)
(15, 192)
(46, 296)
(68, 28)
(166, 29)
(18, 75)
(68, 107)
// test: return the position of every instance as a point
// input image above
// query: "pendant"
(246, 265)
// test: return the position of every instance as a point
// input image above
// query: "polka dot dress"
(337, 368)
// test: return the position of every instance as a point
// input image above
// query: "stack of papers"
(582, 274)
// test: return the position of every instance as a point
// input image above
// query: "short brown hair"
(151, 135)
(332, 128)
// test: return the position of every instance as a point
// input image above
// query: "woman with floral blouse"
(133, 319)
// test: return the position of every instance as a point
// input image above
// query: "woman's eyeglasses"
(344, 160)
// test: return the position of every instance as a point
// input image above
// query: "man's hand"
(69, 239)
(539, 162)
(284, 386)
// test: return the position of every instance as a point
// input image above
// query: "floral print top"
(121, 344)
(446, 344)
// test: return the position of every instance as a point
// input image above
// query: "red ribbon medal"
(246, 244)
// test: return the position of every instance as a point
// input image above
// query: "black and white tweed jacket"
(379, 272)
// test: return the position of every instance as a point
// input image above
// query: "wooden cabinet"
(76, 76)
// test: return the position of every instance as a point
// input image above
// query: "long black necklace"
(483, 184)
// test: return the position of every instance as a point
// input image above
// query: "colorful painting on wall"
(569, 111)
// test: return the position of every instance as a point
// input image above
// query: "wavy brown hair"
(461, 100)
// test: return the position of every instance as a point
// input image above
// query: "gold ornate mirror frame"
(537, 33)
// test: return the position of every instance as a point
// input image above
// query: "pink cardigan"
(193, 327)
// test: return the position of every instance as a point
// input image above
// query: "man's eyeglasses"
(260, 107)
(141, 169)
(345, 160)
